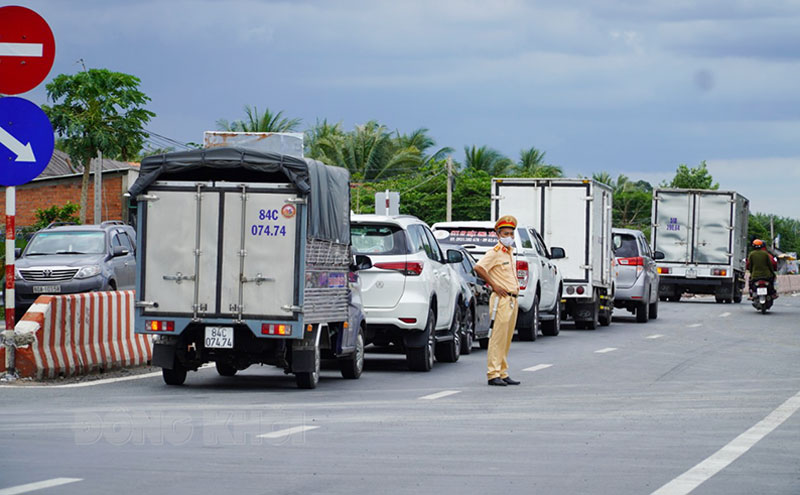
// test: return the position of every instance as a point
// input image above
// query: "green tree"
(322, 130)
(487, 159)
(531, 164)
(97, 110)
(56, 213)
(632, 201)
(255, 121)
(693, 178)
(787, 228)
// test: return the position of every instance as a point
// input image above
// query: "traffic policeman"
(498, 269)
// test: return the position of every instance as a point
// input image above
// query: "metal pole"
(8, 334)
(98, 188)
(449, 189)
(771, 234)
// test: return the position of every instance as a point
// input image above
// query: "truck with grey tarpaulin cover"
(703, 235)
(244, 259)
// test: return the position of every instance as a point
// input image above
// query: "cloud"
(771, 184)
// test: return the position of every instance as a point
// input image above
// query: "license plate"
(691, 273)
(761, 291)
(219, 337)
(46, 289)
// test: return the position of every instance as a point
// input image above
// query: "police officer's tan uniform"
(499, 263)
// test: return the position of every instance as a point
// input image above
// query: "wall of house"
(58, 191)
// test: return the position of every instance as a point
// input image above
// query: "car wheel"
(530, 329)
(654, 310)
(642, 312)
(421, 358)
(352, 366)
(450, 351)
(468, 332)
(225, 369)
(309, 379)
(552, 327)
(175, 376)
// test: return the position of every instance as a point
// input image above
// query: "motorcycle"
(762, 296)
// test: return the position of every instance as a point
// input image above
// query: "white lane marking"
(796, 294)
(39, 485)
(719, 460)
(655, 336)
(538, 367)
(439, 395)
(605, 350)
(288, 431)
(21, 49)
(96, 382)
(695, 325)
(724, 315)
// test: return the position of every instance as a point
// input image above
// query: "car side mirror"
(362, 263)
(17, 252)
(119, 251)
(658, 255)
(556, 253)
(454, 256)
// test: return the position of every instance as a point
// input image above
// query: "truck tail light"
(275, 329)
(523, 274)
(719, 272)
(665, 270)
(160, 325)
(637, 261)
(410, 268)
(580, 290)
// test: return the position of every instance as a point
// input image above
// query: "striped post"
(8, 335)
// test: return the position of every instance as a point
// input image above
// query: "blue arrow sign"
(26, 141)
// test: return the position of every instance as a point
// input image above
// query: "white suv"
(539, 279)
(411, 294)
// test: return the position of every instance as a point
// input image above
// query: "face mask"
(507, 241)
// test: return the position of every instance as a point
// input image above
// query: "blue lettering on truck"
(673, 224)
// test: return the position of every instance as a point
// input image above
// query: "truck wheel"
(309, 379)
(551, 328)
(605, 316)
(642, 312)
(595, 321)
(654, 310)
(352, 366)
(175, 376)
(450, 351)
(225, 369)
(529, 325)
(737, 295)
(467, 332)
(421, 358)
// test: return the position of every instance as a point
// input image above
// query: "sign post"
(27, 51)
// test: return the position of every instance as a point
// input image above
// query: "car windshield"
(625, 246)
(378, 239)
(66, 243)
(477, 236)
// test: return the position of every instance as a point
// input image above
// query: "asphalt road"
(625, 409)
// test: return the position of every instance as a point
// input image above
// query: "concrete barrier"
(76, 334)
(788, 284)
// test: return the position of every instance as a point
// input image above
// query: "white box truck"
(703, 235)
(574, 214)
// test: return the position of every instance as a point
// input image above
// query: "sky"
(627, 87)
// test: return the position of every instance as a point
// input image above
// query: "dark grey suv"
(67, 259)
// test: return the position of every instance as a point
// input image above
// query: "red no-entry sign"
(27, 49)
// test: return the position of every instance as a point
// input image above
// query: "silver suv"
(67, 259)
(637, 274)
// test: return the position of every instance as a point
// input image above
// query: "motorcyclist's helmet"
(758, 244)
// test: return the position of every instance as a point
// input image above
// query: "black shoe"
(509, 381)
(497, 381)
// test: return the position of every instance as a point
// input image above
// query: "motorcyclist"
(762, 266)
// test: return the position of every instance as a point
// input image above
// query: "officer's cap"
(505, 221)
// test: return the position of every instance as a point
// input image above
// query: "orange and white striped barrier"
(78, 333)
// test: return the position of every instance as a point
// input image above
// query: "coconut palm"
(260, 122)
(332, 133)
(486, 159)
(531, 164)
(420, 140)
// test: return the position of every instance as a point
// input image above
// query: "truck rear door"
(713, 233)
(674, 224)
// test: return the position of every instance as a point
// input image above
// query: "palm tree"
(420, 140)
(531, 164)
(260, 122)
(332, 133)
(486, 159)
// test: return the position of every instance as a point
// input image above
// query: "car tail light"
(275, 329)
(160, 325)
(719, 272)
(410, 268)
(408, 320)
(664, 270)
(580, 290)
(637, 261)
(522, 274)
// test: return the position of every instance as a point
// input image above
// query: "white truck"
(703, 235)
(244, 258)
(574, 214)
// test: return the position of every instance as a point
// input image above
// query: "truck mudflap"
(164, 355)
